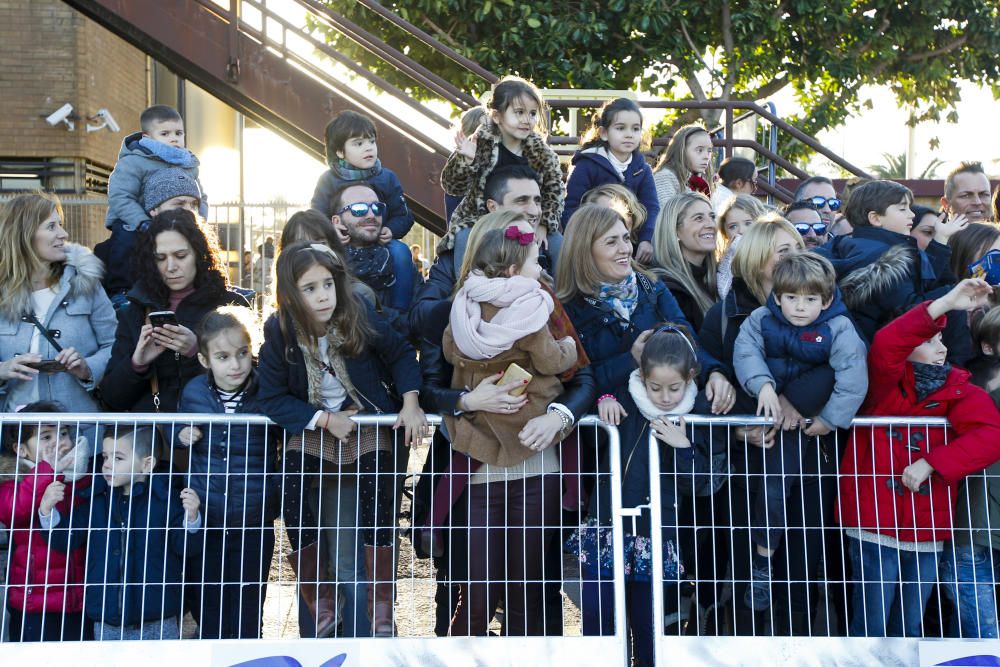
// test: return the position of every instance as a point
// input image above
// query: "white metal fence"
(243, 576)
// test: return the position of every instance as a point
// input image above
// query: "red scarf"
(698, 184)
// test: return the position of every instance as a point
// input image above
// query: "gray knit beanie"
(166, 184)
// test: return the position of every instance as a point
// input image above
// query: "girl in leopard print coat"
(510, 134)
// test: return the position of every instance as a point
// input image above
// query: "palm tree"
(895, 167)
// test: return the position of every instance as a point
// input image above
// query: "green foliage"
(825, 50)
(894, 167)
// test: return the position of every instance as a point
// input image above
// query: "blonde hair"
(625, 198)
(756, 248)
(19, 220)
(741, 202)
(674, 158)
(669, 258)
(501, 219)
(577, 272)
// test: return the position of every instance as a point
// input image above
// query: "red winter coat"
(39, 579)
(872, 495)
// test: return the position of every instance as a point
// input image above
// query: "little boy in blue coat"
(803, 326)
(158, 146)
(138, 534)
(352, 154)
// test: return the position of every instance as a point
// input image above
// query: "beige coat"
(492, 438)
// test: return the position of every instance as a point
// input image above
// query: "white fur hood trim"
(638, 391)
(83, 271)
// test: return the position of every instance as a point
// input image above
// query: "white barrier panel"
(284, 584)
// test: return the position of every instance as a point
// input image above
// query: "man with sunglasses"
(385, 267)
(808, 223)
(818, 192)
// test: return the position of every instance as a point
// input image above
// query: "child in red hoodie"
(45, 594)
(898, 483)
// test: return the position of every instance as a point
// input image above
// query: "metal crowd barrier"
(273, 603)
(814, 588)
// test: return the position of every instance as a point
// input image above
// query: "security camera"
(63, 114)
(107, 121)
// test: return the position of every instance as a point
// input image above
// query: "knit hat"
(166, 184)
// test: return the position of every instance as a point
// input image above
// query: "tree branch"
(947, 48)
(768, 89)
(697, 54)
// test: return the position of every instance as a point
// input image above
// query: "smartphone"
(513, 373)
(47, 366)
(161, 317)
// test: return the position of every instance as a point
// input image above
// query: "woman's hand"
(75, 364)
(720, 392)
(175, 337)
(639, 345)
(790, 418)
(147, 349)
(818, 427)
(466, 146)
(15, 369)
(542, 235)
(488, 396)
(412, 419)
(758, 436)
(541, 432)
(338, 424)
(611, 411)
(673, 434)
(644, 252)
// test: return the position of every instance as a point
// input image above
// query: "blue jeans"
(401, 293)
(890, 590)
(968, 579)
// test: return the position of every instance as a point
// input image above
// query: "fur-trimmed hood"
(892, 267)
(82, 274)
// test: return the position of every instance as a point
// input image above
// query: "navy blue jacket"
(398, 216)
(927, 277)
(699, 470)
(233, 465)
(136, 547)
(791, 350)
(591, 170)
(386, 370)
(608, 339)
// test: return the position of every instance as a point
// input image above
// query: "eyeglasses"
(803, 228)
(818, 202)
(361, 209)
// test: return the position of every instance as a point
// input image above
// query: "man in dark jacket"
(137, 533)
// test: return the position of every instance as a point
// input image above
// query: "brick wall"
(52, 55)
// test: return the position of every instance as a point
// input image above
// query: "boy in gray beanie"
(154, 169)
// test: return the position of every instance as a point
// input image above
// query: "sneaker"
(758, 595)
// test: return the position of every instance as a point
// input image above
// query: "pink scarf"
(524, 309)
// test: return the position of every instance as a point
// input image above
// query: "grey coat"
(135, 163)
(85, 320)
(848, 359)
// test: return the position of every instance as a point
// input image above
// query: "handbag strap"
(30, 317)
(154, 381)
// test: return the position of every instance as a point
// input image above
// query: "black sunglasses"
(819, 202)
(361, 208)
(804, 227)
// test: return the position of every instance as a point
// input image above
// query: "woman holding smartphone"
(181, 279)
(56, 323)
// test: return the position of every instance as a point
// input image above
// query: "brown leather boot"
(315, 589)
(380, 566)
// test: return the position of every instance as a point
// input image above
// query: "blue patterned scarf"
(347, 172)
(621, 297)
